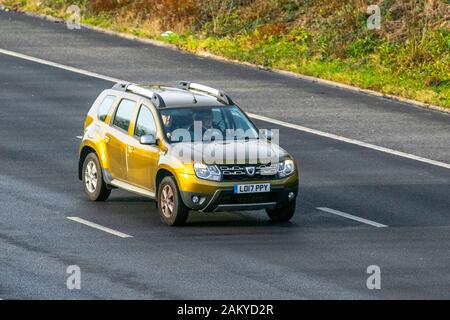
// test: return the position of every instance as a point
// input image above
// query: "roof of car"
(185, 95)
(175, 97)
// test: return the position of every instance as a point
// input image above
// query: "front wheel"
(94, 185)
(284, 213)
(172, 210)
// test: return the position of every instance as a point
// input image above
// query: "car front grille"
(248, 172)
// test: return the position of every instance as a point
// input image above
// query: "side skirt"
(129, 187)
(111, 182)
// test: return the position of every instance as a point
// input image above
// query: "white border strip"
(351, 141)
(252, 115)
(99, 227)
(352, 217)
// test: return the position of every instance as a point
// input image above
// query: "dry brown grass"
(153, 15)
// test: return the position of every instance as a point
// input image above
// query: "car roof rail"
(157, 100)
(120, 86)
(220, 95)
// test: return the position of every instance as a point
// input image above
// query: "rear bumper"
(224, 199)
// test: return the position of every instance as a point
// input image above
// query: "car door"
(116, 138)
(143, 159)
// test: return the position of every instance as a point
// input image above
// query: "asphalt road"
(221, 255)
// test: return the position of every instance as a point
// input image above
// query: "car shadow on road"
(241, 219)
(144, 209)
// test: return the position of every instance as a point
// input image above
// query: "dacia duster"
(189, 147)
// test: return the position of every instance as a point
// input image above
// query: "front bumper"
(224, 199)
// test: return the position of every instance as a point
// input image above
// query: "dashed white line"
(99, 227)
(252, 115)
(352, 217)
(79, 137)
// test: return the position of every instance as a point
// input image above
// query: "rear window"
(124, 114)
(105, 107)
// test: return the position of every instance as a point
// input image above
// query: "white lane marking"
(58, 65)
(252, 115)
(79, 137)
(352, 217)
(99, 227)
(351, 141)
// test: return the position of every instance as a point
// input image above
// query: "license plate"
(252, 188)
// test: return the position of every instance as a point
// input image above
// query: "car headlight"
(286, 168)
(207, 172)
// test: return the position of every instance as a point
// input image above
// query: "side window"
(145, 123)
(124, 114)
(105, 107)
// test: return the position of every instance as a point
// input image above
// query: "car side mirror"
(148, 139)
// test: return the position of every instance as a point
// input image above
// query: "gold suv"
(189, 147)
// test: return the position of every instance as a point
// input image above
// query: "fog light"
(291, 195)
(195, 199)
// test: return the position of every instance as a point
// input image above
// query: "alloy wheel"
(91, 177)
(167, 201)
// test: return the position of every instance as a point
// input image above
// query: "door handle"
(106, 139)
(130, 149)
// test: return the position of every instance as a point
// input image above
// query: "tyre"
(94, 185)
(283, 213)
(171, 208)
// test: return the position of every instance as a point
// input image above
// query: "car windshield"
(207, 124)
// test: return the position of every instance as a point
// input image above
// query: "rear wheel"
(94, 185)
(283, 213)
(172, 210)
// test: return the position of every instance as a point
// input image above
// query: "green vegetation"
(408, 56)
